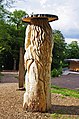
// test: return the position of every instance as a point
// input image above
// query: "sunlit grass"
(64, 91)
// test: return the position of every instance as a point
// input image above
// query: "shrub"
(56, 72)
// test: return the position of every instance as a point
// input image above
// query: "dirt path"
(70, 81)
(9, 78)
(11, 101)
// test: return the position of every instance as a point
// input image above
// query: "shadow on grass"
(61, 109)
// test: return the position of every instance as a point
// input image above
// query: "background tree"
(4, 35)
(11, 38)
(72, 50)
(58, 53)
(59, 49)
(16, 21)
(7, 3)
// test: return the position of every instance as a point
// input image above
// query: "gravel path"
(11, 101)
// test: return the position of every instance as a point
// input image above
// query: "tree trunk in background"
(21, 68)
(14, 67)
(38, 58)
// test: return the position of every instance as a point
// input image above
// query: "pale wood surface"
(38, 58)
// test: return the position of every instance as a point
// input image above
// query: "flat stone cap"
(50, 17)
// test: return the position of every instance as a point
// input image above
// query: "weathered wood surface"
(38, 58)
(21, 68)
(49, 17)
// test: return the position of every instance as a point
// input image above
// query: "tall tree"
(15, 20)
(7, 3)
(72, 50)
(11, 38)
(59, 49)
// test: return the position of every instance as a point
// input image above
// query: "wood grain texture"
(38, 58)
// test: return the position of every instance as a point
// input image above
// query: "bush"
(56, 72)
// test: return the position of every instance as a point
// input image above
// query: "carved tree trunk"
(21, 68)
(38, 58)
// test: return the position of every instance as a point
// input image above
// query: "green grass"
(1, 75)
(60, 116)
(64, 91)
(61, 113)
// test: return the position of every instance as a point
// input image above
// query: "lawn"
(64, 91)
(65, 103)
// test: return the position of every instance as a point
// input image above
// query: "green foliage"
(16, 18)
(56, 72)
(3, 13)
(7, 3)
(58, 53)
(62, 51)
(72, 50)
(58, 50)
(64, 91)
(11, 38)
